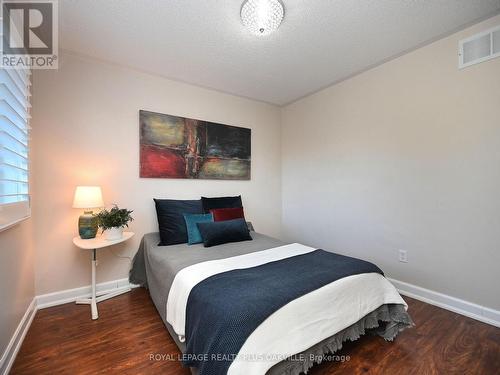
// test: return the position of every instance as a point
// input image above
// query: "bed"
(183, 282)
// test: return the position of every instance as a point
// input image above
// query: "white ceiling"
(203, 41)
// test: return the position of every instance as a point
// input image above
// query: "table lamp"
(87, 197)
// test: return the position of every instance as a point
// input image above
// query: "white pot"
(113, 234)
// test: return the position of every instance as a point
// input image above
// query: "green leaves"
(115, 217)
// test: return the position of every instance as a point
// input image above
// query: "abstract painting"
(179, 147)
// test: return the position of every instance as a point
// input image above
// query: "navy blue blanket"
(224, 309)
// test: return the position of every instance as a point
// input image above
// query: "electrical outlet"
(403, 256)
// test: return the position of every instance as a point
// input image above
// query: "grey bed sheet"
(155, 267)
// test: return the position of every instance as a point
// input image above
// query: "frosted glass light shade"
(262, 17)
(88, 197)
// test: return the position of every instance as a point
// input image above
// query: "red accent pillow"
(223, 214)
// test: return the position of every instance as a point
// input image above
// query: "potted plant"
(113, 221)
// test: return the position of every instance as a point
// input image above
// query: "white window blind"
(14, 146)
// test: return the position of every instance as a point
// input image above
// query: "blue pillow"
(220, 202)
(193, 232)
(171, 223)
(220, 232)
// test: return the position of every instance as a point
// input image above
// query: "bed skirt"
(386, 321)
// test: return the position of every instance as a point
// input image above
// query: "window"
(14, 146)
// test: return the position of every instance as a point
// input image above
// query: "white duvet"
(296, 326)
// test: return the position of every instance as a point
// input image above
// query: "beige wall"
(404, 156)
(86, 126)
(17, 287)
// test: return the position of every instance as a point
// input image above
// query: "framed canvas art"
(179, 147)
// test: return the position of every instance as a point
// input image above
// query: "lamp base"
(87, 225)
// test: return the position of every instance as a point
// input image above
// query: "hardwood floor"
(64, 340)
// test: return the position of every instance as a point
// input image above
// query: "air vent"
(496, 42)
(478, 48)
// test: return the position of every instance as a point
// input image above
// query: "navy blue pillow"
(220, 202)
(220, 232)
(171, 222)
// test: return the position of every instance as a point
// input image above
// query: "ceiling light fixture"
(262, 17)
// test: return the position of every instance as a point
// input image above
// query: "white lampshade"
(88, 197)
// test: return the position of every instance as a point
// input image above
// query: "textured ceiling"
(203, 41)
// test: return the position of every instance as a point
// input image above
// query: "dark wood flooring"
(64, 340)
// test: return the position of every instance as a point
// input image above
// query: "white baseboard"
(459, 306)
(70, 295)
(17, 339)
